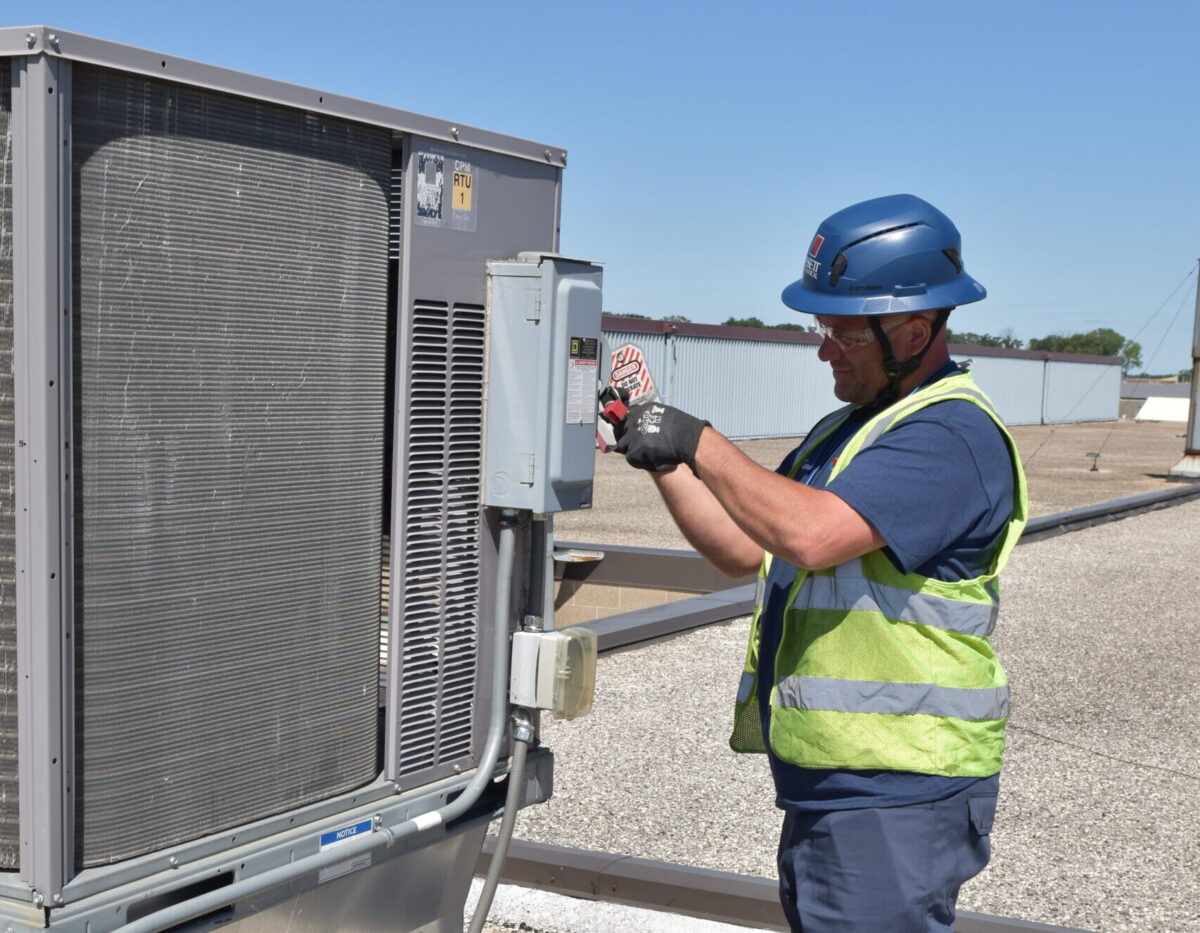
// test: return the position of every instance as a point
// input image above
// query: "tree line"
(1103, 341)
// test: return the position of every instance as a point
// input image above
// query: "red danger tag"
(631, 374)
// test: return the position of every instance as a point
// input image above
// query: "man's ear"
(915, 333)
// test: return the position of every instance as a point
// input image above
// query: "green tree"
(1006, 339)
(676, 319)
(642, 317)
(1103, 341)
(791, 326)
(744, 322)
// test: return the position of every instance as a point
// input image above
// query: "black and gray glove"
(658, 438)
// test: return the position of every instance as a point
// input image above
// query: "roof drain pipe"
(183, 911)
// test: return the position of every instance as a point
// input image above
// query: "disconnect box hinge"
(527, 469)
(533, 305)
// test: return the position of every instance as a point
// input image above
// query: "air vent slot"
(9, 830)
(437, 589)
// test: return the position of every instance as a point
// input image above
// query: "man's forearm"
(706, 524)
(811, 528)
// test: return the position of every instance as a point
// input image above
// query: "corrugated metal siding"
(230, 359)
(750, 388)
(9, 828)
(1081, 392)
(1014, 385)
(760, 388)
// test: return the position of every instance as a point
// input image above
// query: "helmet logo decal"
(811, 266)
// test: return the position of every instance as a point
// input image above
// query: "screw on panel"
(454, 131)
(457, 768)
(174, 861)
(58, 898)
(38, 900)
(31, 39)
(548, 156)
(52, 38)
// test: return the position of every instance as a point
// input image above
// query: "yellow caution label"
(461, 197)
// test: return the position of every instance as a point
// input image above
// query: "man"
(869, 680)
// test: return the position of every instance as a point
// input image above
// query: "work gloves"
(658, 438)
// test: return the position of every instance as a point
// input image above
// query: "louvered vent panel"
(231, 279)
(396, 218)
(9, 830)
(438, 583)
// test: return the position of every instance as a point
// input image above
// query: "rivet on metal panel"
(454, 131)
(548, 156)
(58, 898)
(173, 861)
(563, 157)
(457, 768)
(38, 900)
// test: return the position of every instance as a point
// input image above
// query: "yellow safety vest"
(878, 669)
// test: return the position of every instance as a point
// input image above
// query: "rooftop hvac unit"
(245, 341)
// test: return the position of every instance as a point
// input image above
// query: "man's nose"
(828, 350)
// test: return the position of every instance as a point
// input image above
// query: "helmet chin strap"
(895, 370)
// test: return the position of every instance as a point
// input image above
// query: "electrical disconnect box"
(544, 370)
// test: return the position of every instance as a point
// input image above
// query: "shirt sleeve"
(939, 481)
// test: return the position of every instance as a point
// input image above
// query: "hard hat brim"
(963, 290)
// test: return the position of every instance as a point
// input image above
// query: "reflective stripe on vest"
(873, 696)
(849, 590)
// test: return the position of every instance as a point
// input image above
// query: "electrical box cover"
(545, 366)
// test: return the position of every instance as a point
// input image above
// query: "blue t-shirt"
(938, 487)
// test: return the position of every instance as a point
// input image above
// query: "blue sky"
(708, 140)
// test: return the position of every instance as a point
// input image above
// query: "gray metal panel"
(1081, 392)
(231, 278)
(41, 199)
(76, 47)
(1014, 385)
(513, 206)
(443, 266)
(9, 822)
(1144, 390)
(543, 376)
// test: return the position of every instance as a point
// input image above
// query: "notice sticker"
(462, 191)
(462, 196)
(336, 838)
(447, 190)
(583, 373)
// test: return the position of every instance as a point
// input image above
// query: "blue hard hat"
(884, 256)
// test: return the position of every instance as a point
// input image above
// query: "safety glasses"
(848, 340)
